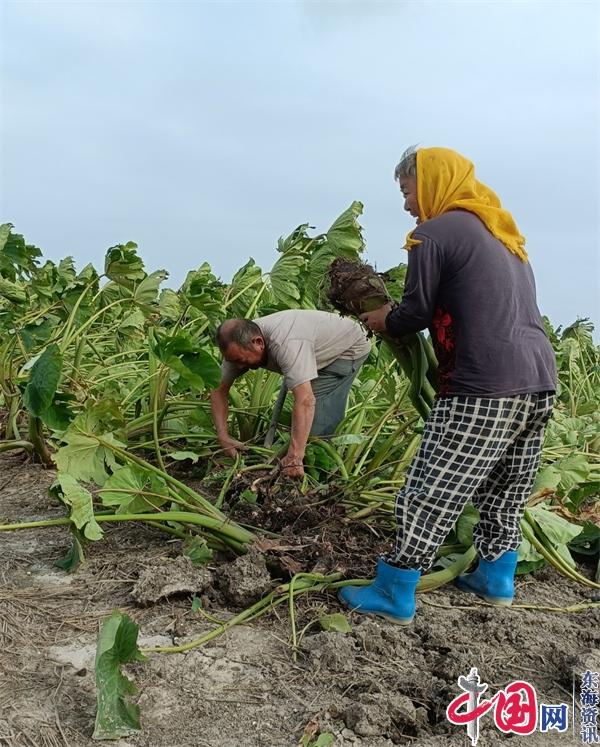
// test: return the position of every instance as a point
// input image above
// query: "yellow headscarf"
(446, 181)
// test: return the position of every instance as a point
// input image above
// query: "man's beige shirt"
(302, 342)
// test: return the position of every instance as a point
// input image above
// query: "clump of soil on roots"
(314, 533)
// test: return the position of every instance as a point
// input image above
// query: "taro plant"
(106, 377)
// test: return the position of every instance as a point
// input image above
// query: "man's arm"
(303, 414)
(219, 405)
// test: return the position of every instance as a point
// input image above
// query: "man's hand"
(231, 447)
(291, 466)
(303, 413)
(375, 320)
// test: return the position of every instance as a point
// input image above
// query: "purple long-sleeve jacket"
(478, 301)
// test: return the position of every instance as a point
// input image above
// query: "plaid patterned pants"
(478, 450)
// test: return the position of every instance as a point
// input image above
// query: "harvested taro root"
(355, 288)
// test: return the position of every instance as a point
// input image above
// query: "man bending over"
(319, 355)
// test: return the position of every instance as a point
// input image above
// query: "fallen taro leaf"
(312, 736)
(465, 525)
(588, 541)
(84, 457)
(180, 456)
(546, 481)
(133, 490)
(82, 510)
(248, 495)
(335, 623)
(564, 475)
(116, 716)
(529, 558)
(198, 551)
(325, 739)
(578, 496)
(75, 555)
(557, 531)
(309, 732)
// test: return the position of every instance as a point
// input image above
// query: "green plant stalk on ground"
(234, 536)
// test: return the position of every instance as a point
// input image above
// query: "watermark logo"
(588, 708)
(514, 709)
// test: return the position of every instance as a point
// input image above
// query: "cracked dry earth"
(378, 686)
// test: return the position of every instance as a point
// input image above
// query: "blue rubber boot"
(493, 580)
(391, 595)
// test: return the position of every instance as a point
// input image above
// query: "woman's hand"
(375, 320)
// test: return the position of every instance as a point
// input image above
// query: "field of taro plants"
(105, 375)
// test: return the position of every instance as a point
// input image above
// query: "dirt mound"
(246, 579)
(377, 714)
(171, 576)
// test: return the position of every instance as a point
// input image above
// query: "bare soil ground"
(378, 686)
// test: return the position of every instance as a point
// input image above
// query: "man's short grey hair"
(408, 163)
(240, 331)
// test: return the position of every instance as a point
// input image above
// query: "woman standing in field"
(469, 282)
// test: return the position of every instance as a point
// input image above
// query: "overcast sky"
(204, 131)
